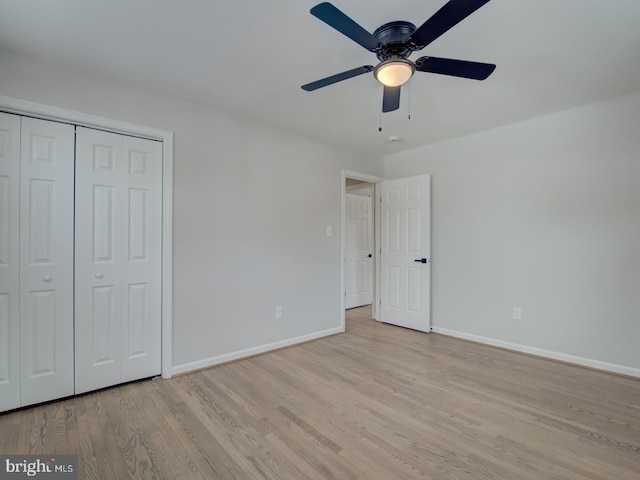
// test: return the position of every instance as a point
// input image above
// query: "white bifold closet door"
(9, 261)
(117, 259)
(36, 261)
(46, 260)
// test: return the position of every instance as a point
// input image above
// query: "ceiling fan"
(393, 43)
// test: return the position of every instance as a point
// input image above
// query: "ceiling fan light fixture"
(394, 72)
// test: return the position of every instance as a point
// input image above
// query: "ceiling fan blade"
(390, 99)
(456, 68)
(335, 18)
(338, 77)
(447, 17)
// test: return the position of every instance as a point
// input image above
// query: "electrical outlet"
(517, 313)
(279, 313)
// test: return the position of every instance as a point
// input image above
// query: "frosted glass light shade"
(393, 73)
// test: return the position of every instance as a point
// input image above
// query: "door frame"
(46, 112)
(376, 235)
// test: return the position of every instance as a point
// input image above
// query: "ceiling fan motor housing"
(393, 37)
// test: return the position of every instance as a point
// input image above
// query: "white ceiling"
(250, 57)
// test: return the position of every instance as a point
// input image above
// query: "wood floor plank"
(377, 402)
(109, 461)
(132, 432)
(66, 427)
(10, 432)
(167, 439)
(27, 429)
(86, 449)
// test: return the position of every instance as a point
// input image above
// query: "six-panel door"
(46, 260)
(358, 251)
(405, 269)
(118, 259)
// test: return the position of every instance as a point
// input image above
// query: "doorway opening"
(401, 254)
(359, 243)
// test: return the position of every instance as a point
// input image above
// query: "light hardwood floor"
(378, 402)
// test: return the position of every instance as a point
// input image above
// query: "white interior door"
(46, 260)
(118, 259)
(358, 251)
(9, 261)
(405, 267)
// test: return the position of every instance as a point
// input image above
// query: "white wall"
(251, 206)
(543, 215)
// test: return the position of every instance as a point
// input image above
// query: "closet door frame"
(45, 112)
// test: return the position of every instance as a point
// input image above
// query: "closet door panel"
(98, 258)
(118, 259)
(46, 260)
(141, 268)
(9, 261)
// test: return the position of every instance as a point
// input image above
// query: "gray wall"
(251, 206)
(542, 215)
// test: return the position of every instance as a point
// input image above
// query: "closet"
(80, 259)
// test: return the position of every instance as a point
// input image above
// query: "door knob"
(98, 275)
(47, 278)
(370, 255)
(421, 260)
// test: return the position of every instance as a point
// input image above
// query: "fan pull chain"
(380, 110)
(409, 92)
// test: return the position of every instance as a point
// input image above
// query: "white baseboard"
(563, 357)
(249, 352)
